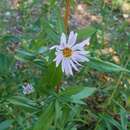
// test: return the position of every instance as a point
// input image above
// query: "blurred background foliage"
(27, 29)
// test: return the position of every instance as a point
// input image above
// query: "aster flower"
(19, 65)
(69, 54)
(27, 88)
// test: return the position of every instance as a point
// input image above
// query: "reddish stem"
(67, 15)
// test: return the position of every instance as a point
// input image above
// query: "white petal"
(66, 67)
(74, 65)
(81, 52)
(81, 55)
(76, 61)
(85, 42)
(82, 58)
(80, 46)
(58, 52)
(53, 47)
(60, 47)
(63, 65)
(69, 68)
(72, 38)
(78, 57)
(63, 40)
(58, 59)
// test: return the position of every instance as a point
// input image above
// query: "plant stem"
(67, 14)
(57, 88)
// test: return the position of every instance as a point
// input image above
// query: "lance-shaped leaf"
(4, 64)
(23, 102)
(86, 32)
(4, 125)
(105, 66)
(24, 56)
(45, 121)
(78, 93)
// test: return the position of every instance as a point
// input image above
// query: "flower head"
(27, 88)
(69, 54)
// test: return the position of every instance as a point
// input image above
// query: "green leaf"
(101, 126)
(4, 64)
(111, 121)
(86, 32)
(23, 102)
(24, 56)
(69, 91)
(4, 125)
(54, 75)
(105, 66)
(85, 92)
(45, 121)
(124, 120)
(58, 112)
(10, 38)
(77, 93)
(73, 128)
(51, 78)
(109, 127)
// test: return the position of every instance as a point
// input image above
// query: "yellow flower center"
(67, 52)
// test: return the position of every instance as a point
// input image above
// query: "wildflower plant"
(77, 78)
(69, 54)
